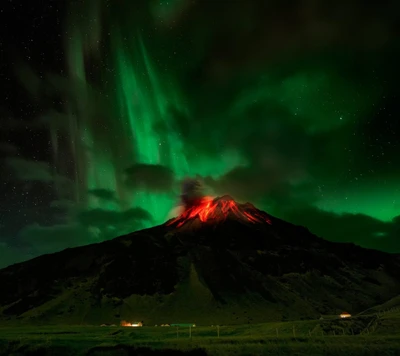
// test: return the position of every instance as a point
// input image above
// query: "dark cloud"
(151, 177)
(8, 149)
(49, 239)
(105, 219)
(277, 155)
(247, 183)
(37, 172)
(30, 170)
(10, 255)
(360, 229)
(29, 79)
(65, 204)
(11, 124)
(89, 226)
(103, 194)
(252, 33)
(52, 119)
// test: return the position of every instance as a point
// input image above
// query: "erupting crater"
(209, 209)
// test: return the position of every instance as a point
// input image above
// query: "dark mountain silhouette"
(219, 262)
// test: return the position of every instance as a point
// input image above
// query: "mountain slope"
(219, 262)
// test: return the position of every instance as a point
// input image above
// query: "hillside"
(392, 307)
(218, 263)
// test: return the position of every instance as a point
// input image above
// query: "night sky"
(106, 106)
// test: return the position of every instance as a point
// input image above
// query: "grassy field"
(364, 335)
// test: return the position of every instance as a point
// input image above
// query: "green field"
(373, 334)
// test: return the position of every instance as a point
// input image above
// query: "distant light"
(345, 315)
(134, 325)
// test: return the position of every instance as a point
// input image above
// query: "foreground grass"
(290, 338)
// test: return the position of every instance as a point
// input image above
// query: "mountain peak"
(215, 210)
(218, 262)
(224, 198)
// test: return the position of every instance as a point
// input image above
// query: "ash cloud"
(192, 190)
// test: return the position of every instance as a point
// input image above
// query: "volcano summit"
(216, 210)
(219, 262)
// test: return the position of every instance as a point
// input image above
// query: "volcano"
(216, 210)
(219, 262)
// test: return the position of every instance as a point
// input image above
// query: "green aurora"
(142, 112)
(156, 91)
(137, 129)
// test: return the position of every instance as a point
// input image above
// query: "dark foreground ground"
(363, 335)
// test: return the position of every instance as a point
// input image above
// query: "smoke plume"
(192, 190)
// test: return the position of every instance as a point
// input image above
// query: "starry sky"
(108, 105)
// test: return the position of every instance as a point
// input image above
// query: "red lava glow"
(218, 209)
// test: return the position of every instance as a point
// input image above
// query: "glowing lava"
(217, 209)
